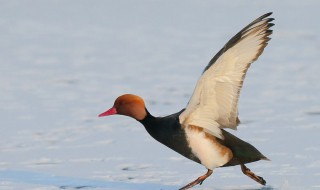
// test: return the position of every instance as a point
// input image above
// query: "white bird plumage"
(214, 103)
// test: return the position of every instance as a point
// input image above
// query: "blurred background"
(64, 62)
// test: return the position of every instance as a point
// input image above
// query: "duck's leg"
(253, 176)
(197, 181)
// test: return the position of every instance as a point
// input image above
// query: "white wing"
(213, 104)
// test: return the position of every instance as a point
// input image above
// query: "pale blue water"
(64, 62)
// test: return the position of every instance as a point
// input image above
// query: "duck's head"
(128, 105)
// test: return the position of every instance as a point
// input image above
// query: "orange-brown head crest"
(128, 105)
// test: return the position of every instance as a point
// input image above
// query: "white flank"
(208, 153)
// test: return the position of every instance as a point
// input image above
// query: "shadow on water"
(68, 183)
(62, 182)
(262, 188)
(246, 188)
(313, 113)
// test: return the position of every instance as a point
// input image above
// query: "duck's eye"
(122, 103)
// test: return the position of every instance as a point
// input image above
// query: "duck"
(199, 131)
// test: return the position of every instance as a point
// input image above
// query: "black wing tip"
(259, 19)
(238, 36)
(270, 19)
(265, 17)
(269, 32)
(268, 14)
(270, 24)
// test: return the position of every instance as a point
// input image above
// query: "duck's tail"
(243, 152)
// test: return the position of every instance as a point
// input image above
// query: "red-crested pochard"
(197, 131)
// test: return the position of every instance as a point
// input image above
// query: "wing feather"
(214, 103)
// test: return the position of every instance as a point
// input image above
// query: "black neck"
(147, 120)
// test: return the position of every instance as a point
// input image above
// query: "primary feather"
(214, 103)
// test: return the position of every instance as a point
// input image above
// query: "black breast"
(168, 131)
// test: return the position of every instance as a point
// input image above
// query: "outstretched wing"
(214, 103)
